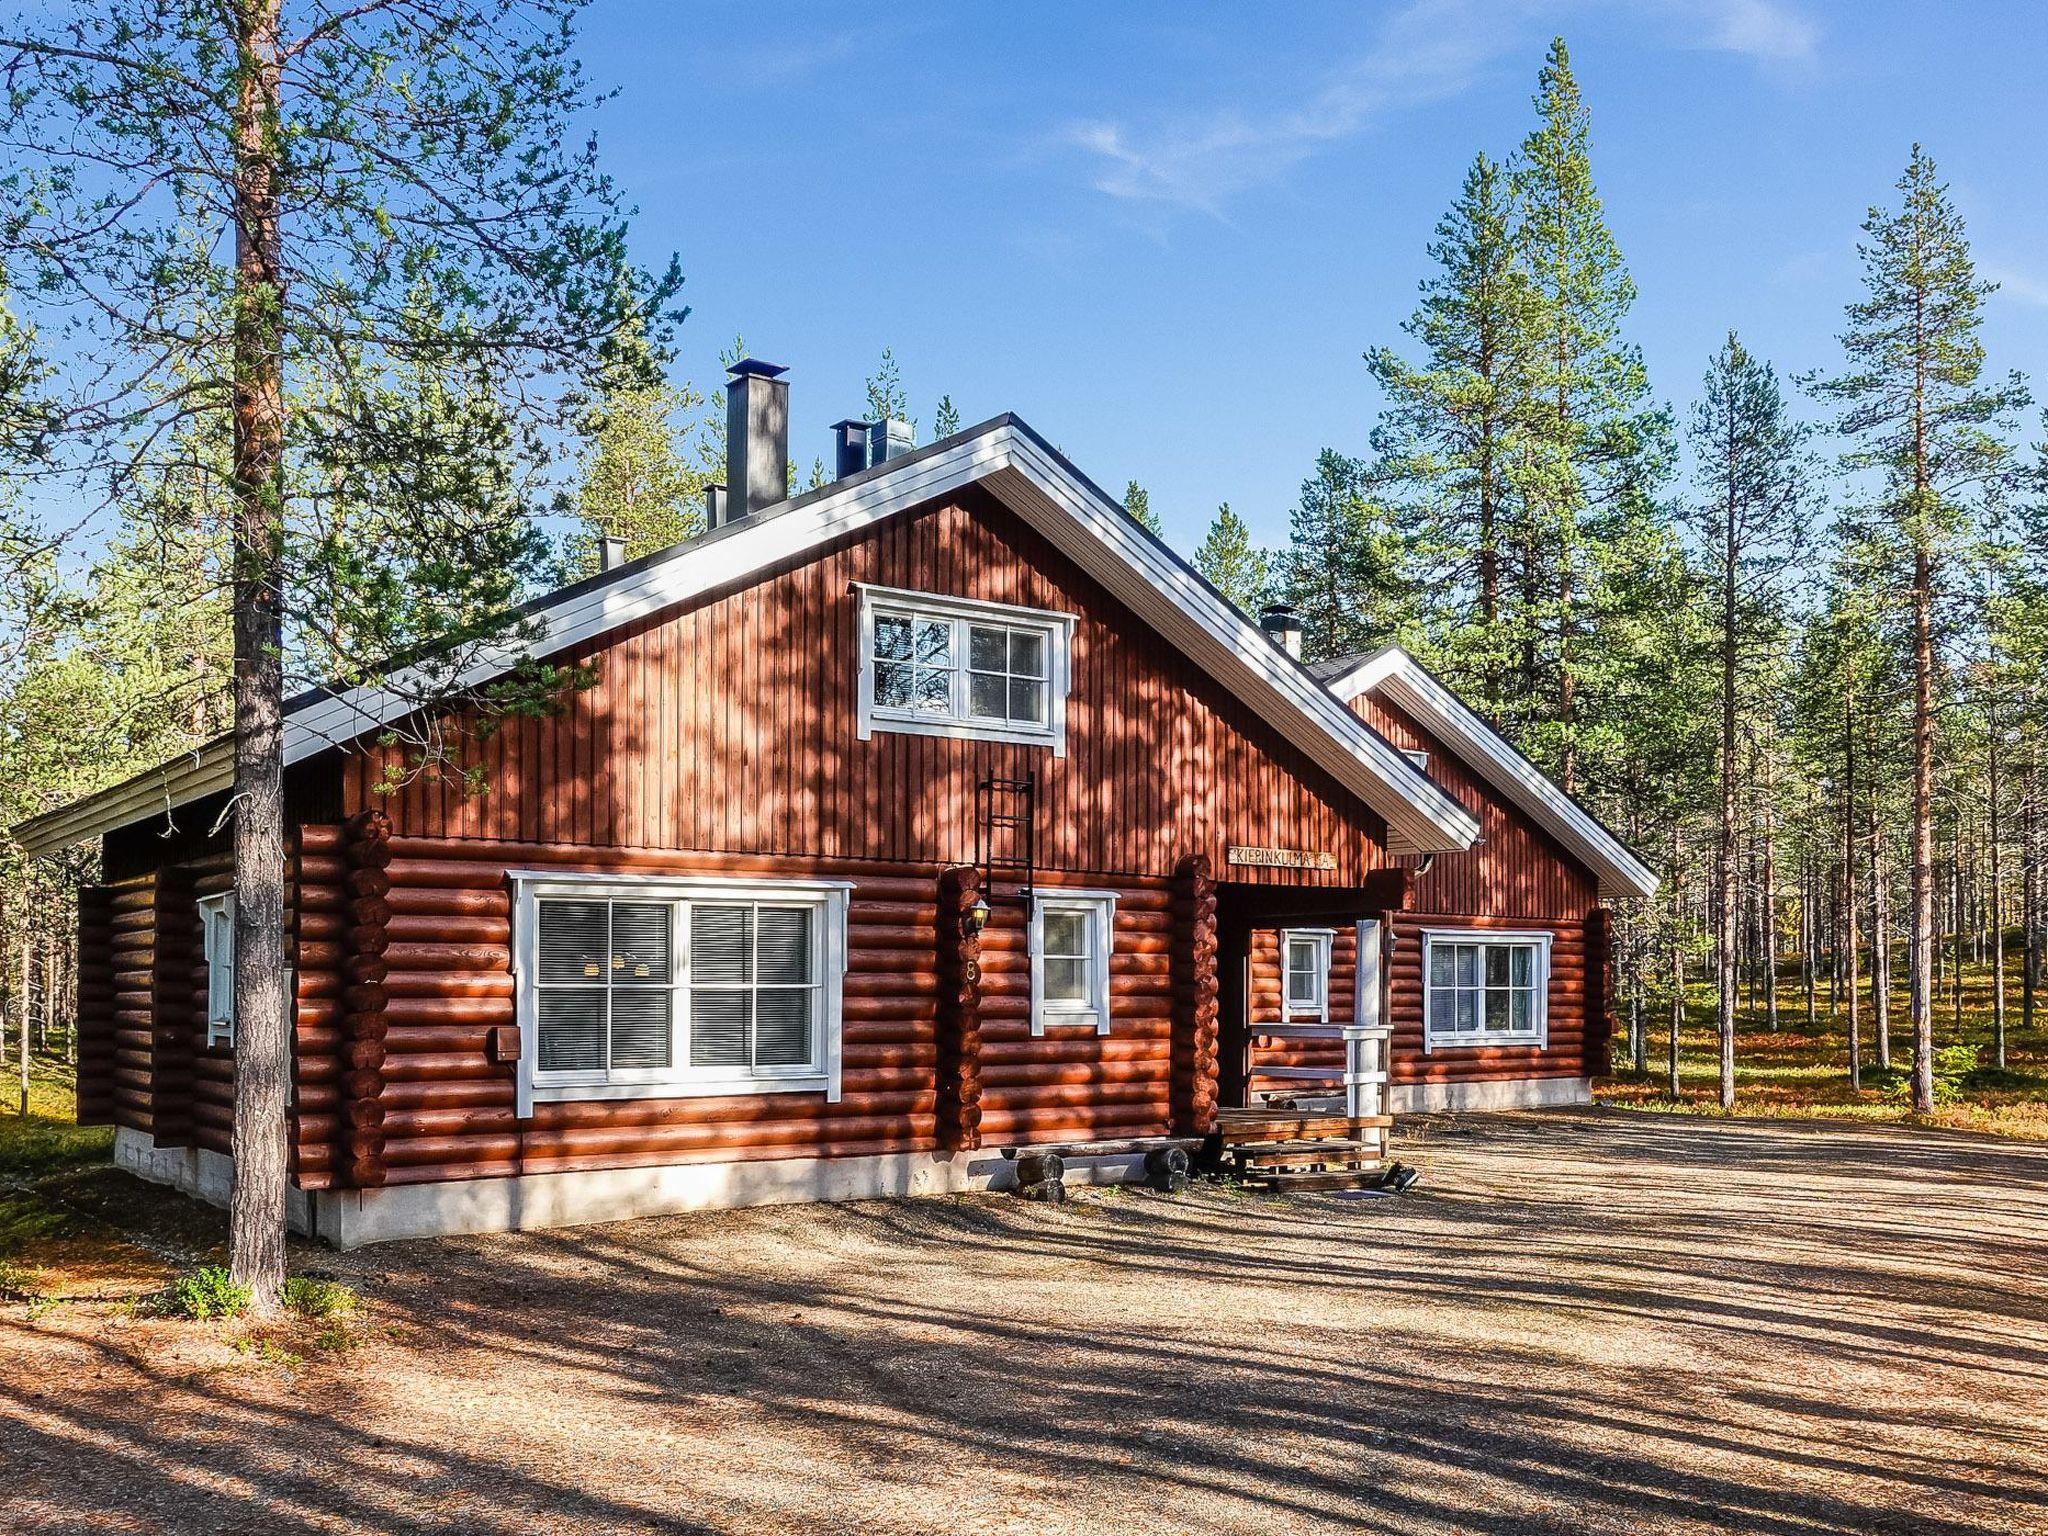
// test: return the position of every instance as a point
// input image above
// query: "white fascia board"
(1394, 675)
(1420, 817)
(188, 777)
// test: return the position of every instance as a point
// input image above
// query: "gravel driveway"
(1584, 1322)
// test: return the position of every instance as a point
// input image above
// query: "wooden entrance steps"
(1293, 1149)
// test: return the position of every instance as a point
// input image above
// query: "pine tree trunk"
(1769, 897)
(1850, 943)
(262, 1014)
(2029, 898)
(1808, 939)
(1725, 874)
(1995, 834)
(1677, 974)
(1921, 954)
(1880, 945)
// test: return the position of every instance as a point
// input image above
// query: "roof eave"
(1396, 674)
(1031, 477)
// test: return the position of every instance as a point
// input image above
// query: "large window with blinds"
(1484, 988)
(672, 986)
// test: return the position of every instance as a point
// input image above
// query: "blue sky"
(1164, 233)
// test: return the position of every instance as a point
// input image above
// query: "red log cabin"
(936, 814)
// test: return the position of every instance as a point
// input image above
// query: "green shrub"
(310, 1296)
(206, 1293)
(1954, 1066)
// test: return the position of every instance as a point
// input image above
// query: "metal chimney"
(889, 440)
(756, 438)
(611, 553)
(714, 506)
(849, 447)
(1284, 625)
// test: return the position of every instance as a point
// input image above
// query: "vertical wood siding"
(730, 726)
(1516, 870)
(1516, 877)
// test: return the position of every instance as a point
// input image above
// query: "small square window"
(1071, 934)
(1305, 960)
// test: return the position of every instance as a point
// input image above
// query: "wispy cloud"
(2016, 283)
(1761, 29)
(1427, 51)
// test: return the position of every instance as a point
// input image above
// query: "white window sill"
(681, 1088)
(879, 723)
(1077, 1018)
(1452, 1042)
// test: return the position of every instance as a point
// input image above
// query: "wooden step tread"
(1314, 1148)
(1285, 1127)
(1281, 1162)
(1336, 1178)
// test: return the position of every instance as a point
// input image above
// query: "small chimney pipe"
(756, 438)
(849, 447)
(611, 552)
(714, 506)
(1281, 622)
(890, 439)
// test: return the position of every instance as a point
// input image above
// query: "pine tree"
(1450, 433)
(285, 185)
(1934, 434)
(1593, 450)
(1345, 569)
(1232, 564)
(945, 419)
(1753, 498)
(638, 482)
(887, 398)
(1138, 502)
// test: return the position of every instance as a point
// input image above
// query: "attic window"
(1418, 757)
(952, 666)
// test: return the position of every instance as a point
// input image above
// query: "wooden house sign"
(1281, 858)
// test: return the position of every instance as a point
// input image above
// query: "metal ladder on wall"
(1006, 837)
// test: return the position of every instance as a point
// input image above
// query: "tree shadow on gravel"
(1591, 1326)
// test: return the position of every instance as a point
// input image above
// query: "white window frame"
(679, 1080)
(1057, 628)
(1100, 909)
(1537, 1038)
(217, 944)
(1317, 1012)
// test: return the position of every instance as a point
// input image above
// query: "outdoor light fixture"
(978, 914)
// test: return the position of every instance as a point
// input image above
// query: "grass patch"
(317, 1298)
(204, 1294)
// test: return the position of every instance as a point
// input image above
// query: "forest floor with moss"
(1802, 1072)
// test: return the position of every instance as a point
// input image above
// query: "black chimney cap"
(753, 367)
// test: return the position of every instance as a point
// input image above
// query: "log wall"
(131, 948)
(445, 1099)
(95, 1003)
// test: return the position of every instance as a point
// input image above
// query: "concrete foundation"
(1511, 1093)
(350, 1218)
(201, 1174)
